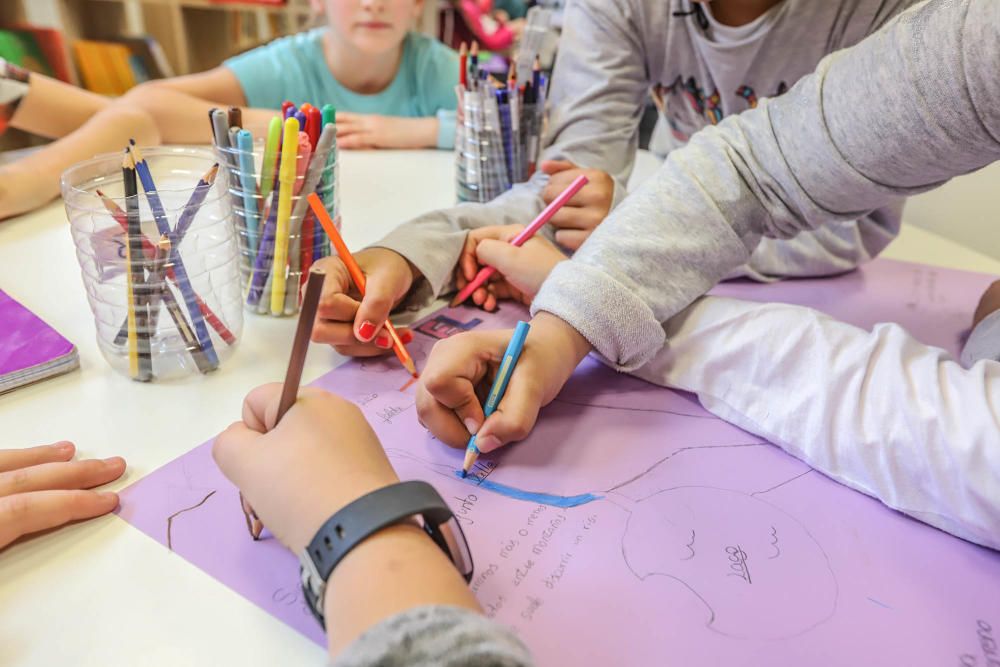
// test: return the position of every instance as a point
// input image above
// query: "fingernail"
(471, 425)
(109, 496)
(406, 336)
(383, 342)
(64, 448)
(114, 461)
(488, 443)
(366, 331)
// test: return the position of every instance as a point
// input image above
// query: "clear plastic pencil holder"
(492, 151)
(279, 236)
(163, 284)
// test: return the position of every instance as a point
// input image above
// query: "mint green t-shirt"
(294, 68)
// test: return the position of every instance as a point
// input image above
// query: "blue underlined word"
(530, 496)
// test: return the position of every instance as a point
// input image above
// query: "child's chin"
(375, 41)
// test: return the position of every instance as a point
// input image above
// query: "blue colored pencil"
(183, 282)
(510, 357)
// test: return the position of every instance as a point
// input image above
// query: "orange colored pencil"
(358, 277)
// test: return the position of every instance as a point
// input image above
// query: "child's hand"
(447, 399)
(21, 192)
(588, 207)
(989, 304)
(366, 131)
(322, 456)
(42, 487)
(520, 271)
(352, 325)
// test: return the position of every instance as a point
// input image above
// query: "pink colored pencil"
(487, 271)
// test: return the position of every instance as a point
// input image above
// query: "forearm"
(53, 108)
(397, 569)
(598, 89)
(433, 242)
(108, 131)
(830, 250)
(879, 412)
(825, 151)
(182, 118)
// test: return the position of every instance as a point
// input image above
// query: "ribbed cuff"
(618, 324)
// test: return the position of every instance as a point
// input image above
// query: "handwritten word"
(494, 607)
(543, 542)
(522, 572)
(465, 508)
(508, 548)
(390, 412)
(483, 576)
(738, 563)
(366, 399)
(535, 513)
(533, 605)
(988, 645)
(481, 470)
(557, 574)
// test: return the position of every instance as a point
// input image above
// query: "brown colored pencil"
(293, 376)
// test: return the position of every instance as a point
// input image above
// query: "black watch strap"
(369, 514)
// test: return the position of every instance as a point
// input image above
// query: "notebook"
(30, 350)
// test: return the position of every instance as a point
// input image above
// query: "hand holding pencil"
(521, 270)
(358, 277)
(352, 323)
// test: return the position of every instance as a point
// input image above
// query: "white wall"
(966, 210)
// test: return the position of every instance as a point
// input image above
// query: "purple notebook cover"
(25, 340)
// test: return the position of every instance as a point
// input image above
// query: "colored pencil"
(293, 376)
(140, 355)
(507, 365)
(183, 282)
(358, 277)
(150, 251)
(487, 271)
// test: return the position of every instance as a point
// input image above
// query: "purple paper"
(634, 528)
(25, 340)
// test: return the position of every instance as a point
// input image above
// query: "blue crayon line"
(531, 496)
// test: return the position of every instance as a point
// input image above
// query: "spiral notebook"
(30, 350)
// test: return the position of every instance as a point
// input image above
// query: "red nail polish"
(406, 337)
(383, 341)
(366, 330)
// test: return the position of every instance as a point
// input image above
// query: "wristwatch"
(388, 506)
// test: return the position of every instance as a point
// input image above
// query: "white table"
(102, 593)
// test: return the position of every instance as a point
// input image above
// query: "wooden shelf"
(195, 34)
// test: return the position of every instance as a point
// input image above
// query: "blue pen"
(245, 145)
(493, 399)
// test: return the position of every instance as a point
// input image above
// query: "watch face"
(454, 538)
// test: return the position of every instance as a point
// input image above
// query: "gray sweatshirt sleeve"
(902, 112)
(438, 636)
(596, 97)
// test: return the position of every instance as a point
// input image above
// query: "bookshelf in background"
(193, 35)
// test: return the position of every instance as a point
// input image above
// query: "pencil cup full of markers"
(158, 256)
(269, 181)
(498, 129)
